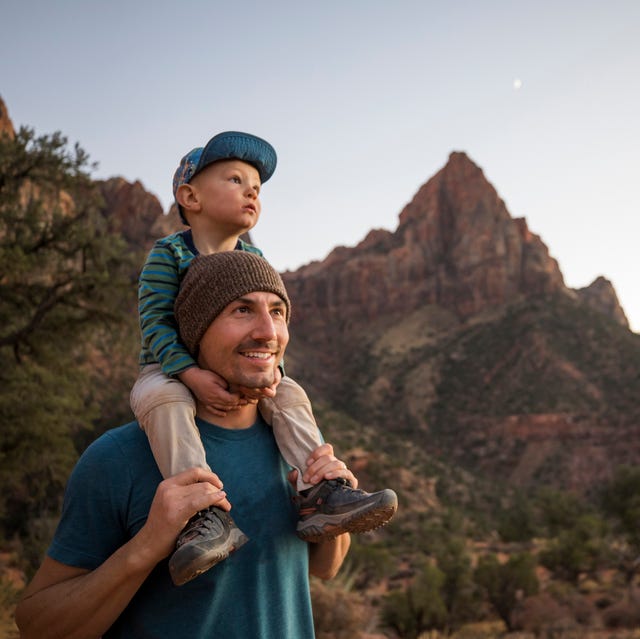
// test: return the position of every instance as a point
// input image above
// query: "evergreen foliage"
(63, 281)
(517, 521)
(418, 608)
(505, 583)
(577, 549)
(621, 500)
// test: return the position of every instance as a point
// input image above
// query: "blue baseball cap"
(230, 145)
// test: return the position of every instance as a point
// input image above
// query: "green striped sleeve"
(158, 287)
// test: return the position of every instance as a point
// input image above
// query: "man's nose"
(264, 327)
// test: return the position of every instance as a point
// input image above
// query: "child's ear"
(187, 197)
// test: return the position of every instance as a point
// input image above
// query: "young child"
(217, 188)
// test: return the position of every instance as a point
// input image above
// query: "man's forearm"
(326, 557)
(63, 602)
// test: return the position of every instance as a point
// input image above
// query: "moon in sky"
(517, 84)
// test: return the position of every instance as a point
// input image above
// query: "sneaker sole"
(181, 574)
(322, 527)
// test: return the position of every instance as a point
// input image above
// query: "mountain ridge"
(455, 246)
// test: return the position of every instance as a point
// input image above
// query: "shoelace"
(203, 520)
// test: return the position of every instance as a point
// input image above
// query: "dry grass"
(495, 630)
(11, 583)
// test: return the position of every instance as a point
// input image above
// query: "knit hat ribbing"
(214, 281)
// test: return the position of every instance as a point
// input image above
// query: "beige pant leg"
(165, 410)
(294, 425)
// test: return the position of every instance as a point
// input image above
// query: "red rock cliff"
(456, 246)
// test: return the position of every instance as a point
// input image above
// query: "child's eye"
(236, 179)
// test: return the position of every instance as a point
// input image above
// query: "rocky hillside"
(458, 333)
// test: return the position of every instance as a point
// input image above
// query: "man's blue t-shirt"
(262, 590)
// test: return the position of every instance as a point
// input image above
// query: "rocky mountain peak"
(601, 296)
(459, 190)
(456, 246)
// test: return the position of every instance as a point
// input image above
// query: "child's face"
(228, 192)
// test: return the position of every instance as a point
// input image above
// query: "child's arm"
(157, 290)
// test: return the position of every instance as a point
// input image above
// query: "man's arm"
(63, 601)
(326, 557)
(73, 603)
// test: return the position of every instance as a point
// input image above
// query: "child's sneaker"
(210, 536)
(332, 507)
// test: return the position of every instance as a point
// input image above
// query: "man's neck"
(243, 417)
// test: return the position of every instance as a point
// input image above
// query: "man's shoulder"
(122, 441)
(122, 455)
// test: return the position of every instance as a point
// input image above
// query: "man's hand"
(212, 391)
(177, 499)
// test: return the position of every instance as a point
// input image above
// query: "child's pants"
(165, 410)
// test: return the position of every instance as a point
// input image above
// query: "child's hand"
(323, 464)
(211, 390)
(254, 394)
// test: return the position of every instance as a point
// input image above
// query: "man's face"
(246, 342)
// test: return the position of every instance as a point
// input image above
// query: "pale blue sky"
(363, 100)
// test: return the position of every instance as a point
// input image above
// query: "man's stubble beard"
(252, 380)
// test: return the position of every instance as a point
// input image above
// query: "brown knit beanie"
(214, 281)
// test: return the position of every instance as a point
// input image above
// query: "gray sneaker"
(210, 536)
(332, 507)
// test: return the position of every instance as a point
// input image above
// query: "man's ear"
(187, 197)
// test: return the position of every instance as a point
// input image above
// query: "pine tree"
(63, 282)
(505, 583)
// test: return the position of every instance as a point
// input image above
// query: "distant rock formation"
(601, 296)
(136, 213)
(6, 126)
(456, 247)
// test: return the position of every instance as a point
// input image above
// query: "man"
(106, 574)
